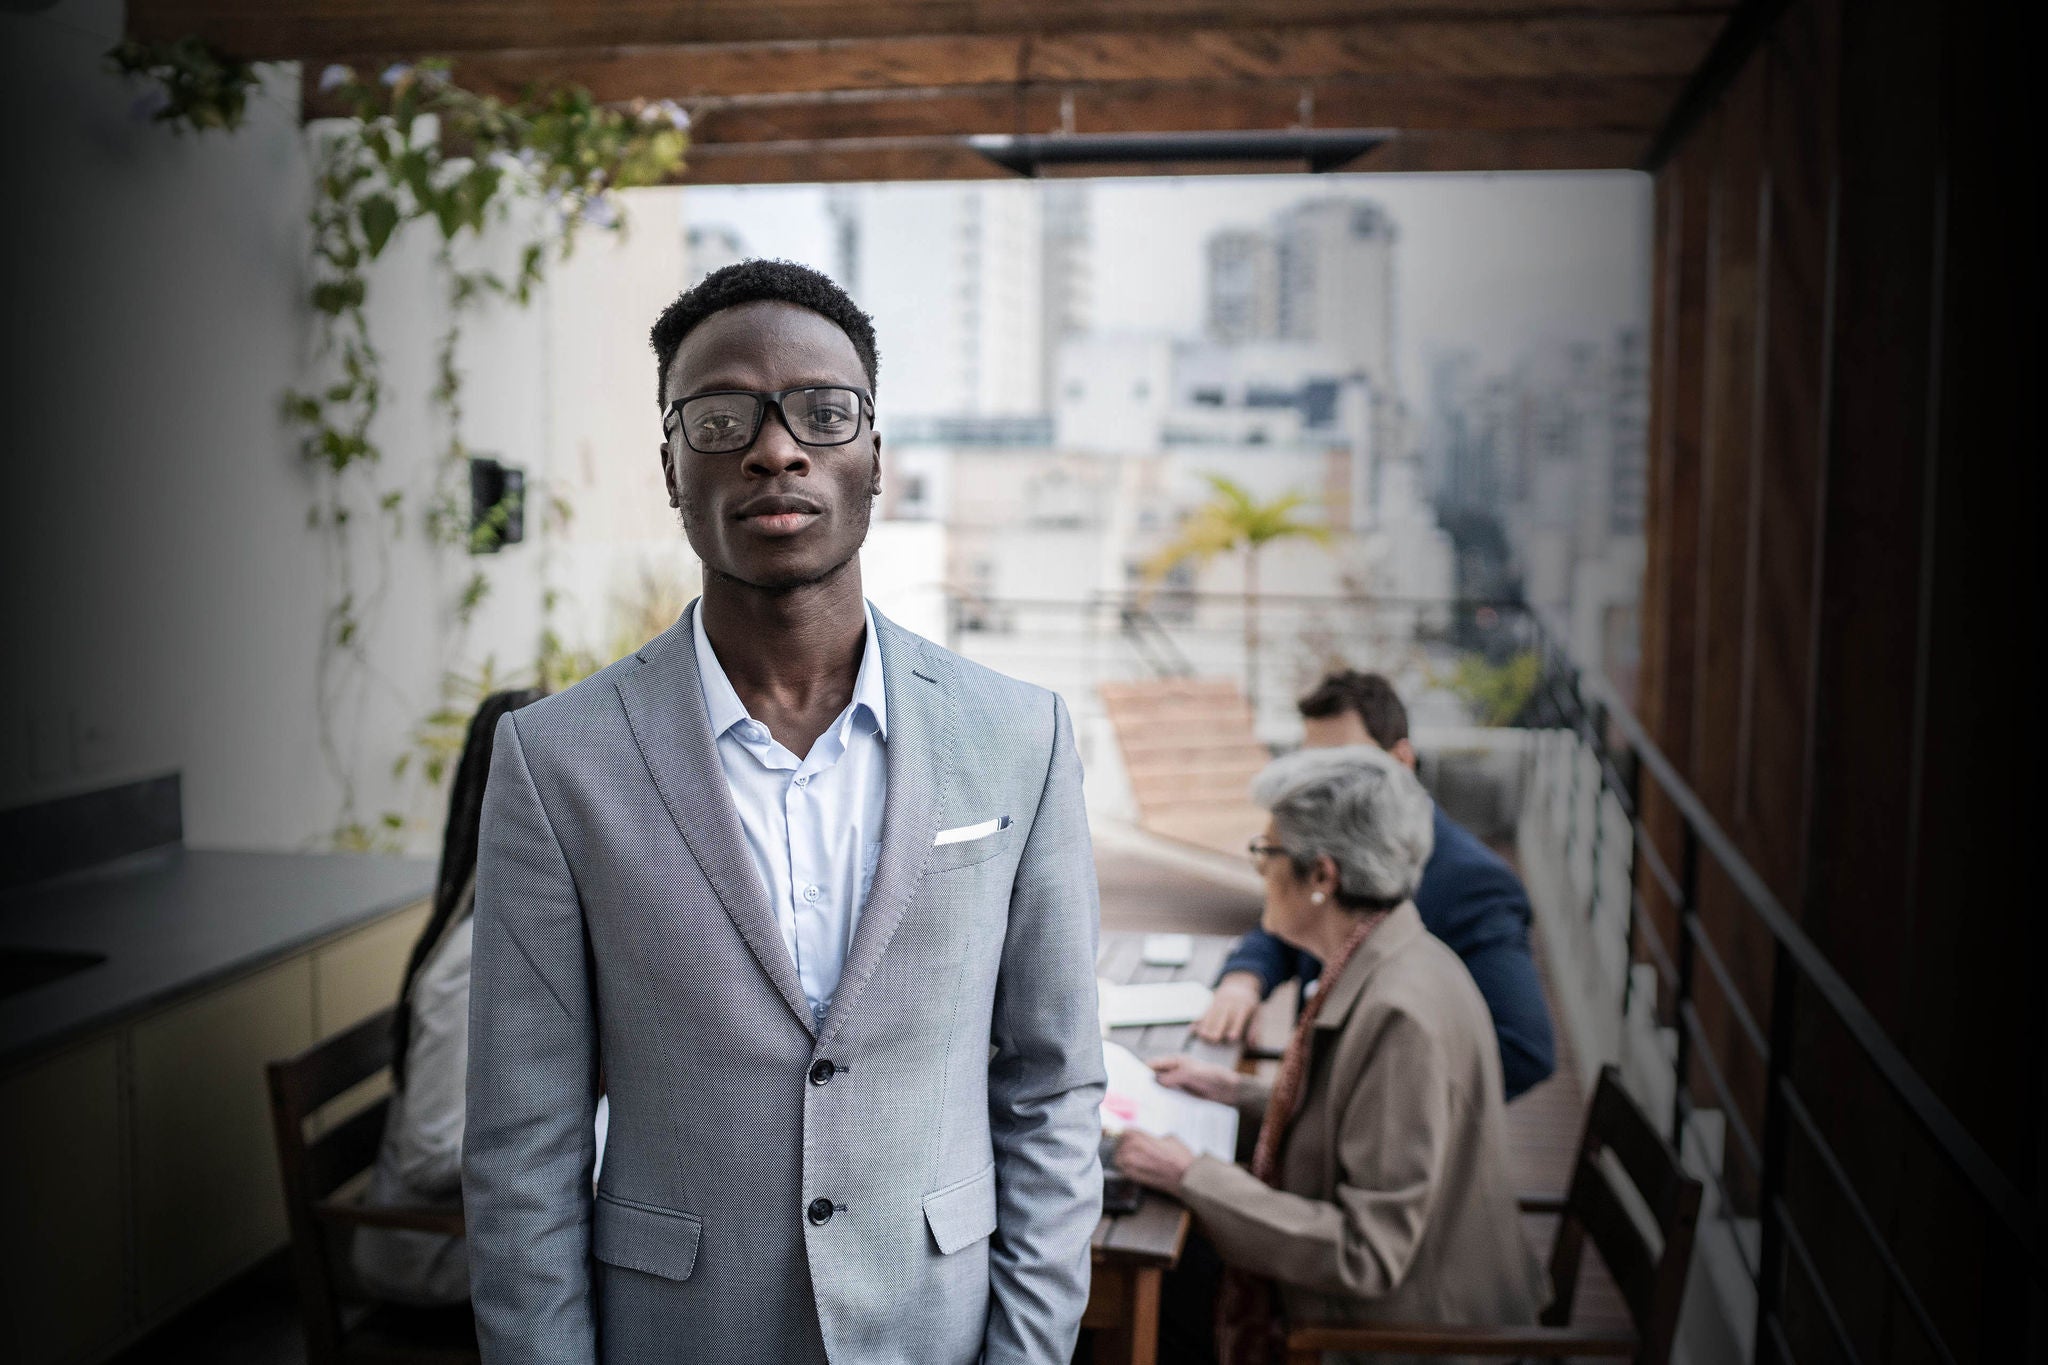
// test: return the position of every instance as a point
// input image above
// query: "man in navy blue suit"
(1469, 898)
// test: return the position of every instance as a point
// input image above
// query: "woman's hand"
(1157, 1163)
(1231, 1008)
(1200, 1079)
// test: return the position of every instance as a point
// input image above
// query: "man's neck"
(792, 656)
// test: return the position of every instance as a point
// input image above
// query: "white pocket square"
(968, 832)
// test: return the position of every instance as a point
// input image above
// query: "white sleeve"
(429, 1146)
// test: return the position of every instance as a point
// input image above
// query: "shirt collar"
(726, 710)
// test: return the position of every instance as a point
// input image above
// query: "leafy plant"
(1233, 519)
(415, 147)
(193, 86)
(1497, 692)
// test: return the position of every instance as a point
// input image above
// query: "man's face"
(779, 514)
(1330, 732)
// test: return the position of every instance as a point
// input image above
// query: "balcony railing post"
(1632, 794)
(1770, 1267)
(1571, 801)
(1681, 1064)
(1596, 746)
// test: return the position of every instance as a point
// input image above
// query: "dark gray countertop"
(173, 920)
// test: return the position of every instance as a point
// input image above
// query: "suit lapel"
(665, 709)
(922, 722)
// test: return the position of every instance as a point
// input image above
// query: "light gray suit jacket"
(620, 923)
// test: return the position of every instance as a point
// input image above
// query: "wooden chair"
(345, 1325)
(1649, 1272)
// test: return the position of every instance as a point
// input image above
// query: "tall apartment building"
(977, 288)
(1323, 273)
(1540, 479)
(1067, 286)
(1243, 286)
(1335, 259)
(1629, 476)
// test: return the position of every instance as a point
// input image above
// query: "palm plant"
(1233, 519)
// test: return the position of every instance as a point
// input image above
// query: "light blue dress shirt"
(813, 824)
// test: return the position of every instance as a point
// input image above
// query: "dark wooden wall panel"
(1724, 576)
(1841, 570)
(1670, 587)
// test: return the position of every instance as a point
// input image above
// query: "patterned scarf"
(1247, 1327)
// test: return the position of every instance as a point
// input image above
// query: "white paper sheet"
(1152, 1002)
(1136, 1099)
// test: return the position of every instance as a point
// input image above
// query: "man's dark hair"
(1368, 695)
(759, 281)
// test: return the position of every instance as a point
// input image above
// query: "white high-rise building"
(959, 295)
(1067, 284)
(1244, 286)
(1336, 282)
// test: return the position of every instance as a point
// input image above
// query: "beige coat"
(1394, 1201)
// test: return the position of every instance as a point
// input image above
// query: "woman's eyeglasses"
(1261, 849)
(727, 421)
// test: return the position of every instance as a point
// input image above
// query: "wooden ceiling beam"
(1660, 46)
(1425, 102)
(1492, 151)
(949, 159)
(314, 30)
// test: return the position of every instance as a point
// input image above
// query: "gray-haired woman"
(1379, 1188)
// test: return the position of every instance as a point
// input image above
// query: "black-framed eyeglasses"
(1263, 848)
(726, 421)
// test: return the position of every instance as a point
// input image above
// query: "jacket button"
(820, 1211)
(822, 1071)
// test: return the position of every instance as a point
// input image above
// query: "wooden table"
(1133, 1252)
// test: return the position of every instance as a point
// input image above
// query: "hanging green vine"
(192, 86)
(413, 146)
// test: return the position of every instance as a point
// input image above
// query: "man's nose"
(775, 451)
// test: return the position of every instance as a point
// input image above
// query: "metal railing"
(1622, 755)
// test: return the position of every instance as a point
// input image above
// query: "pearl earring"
(1316, 897)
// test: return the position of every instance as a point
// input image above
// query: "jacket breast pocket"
(964, 1212)
(968, 852)
(659, 1241)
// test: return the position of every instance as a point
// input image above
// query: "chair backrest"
(1649, 1267)
(313, 1170)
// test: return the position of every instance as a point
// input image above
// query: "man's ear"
(875, 484)
(668, 476)
(1404, 753)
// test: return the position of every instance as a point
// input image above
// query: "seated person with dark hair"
(1469, 898)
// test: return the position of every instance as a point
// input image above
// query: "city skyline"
(1492, 266)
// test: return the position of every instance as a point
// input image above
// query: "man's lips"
(779, 523)
(778, 514)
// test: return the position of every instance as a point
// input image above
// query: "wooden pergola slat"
(1425, 103)
(315, 30)
(1666, 46)
(808, 90)
(841, 160)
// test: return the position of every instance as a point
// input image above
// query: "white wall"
(164, 600)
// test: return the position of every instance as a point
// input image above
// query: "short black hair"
(1367, 695)
(759, 281)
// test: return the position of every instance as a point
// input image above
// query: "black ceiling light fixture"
(1320, 149)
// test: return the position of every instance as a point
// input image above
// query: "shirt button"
(804, 780)
(822, 1071)
(820, 1211)
(810, 893)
